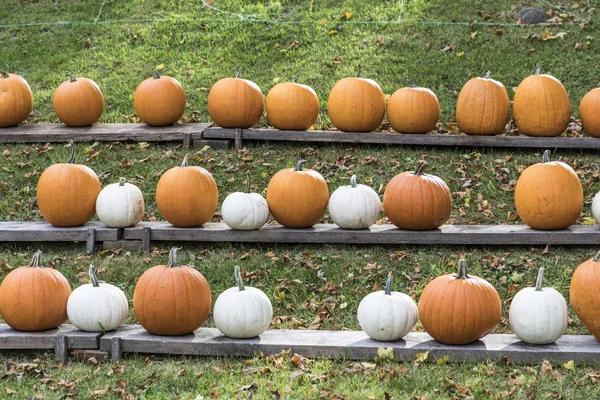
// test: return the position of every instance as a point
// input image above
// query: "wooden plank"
(353, 345)
(213, 144)
(377, 234)
(44, 232)
(61, 351)
(75, 339)
(428, 139)
(91, 240)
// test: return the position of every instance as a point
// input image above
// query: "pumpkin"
(355, 206)
(297, 197)
(120, 205)
(171, 299)
(483, 107)
(34, 298)
(245, 211)
(417, 201)
(541, 106)
(187, 196)
(16, 99)
(538, 315)
(387, 315)
(548, 195)
(413, 110)
(356, 104)
(584, 285)
(160, 100)
(235, 102)
(66, 193)
(292, 106)
(78, 101)
(589, 112)
(596, 207)
(242, 312)
(97, 307)
(459, 309)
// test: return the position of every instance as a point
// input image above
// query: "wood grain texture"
(75, 339)
(44, 232)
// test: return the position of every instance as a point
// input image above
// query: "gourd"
(235, 102)
(548, 195)
(583, 292)
(66, 193)
(34, 298)
(539, 315)
(120, 205)
(171, 299)
(589, 112)
(78, 101)
(355, 206)
(242, 312)
(413, 110)
(187, 196)
(596, 207)
(459, 309)
(160, 100)
(297, 197)
(292, 106)
(245, 211)
(483, 107)
(417, 201)
(97, 307)
(387, 316)
(16, 99)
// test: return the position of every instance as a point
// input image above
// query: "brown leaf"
(546, 367)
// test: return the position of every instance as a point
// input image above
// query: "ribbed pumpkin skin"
(78, 103)
(541, 106)
(589, 112)
(235, 103)
(483, 107)
(16, 100)
(159, 101)
(292, 106)
(356, 105)
(584, 294)
(413, 110)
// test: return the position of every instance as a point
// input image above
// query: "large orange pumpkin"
(66, 193)
(459, 309)
(235, 102)
(16, 99)
(483, 107)
(541, 106)
(292, 106)
(413, 110)
(297, 197)
(584, 286)
(78, 101)
(34, 298)
(417, 201)
(171, 299)
(589, 112)
(160, 100)
(356, 104)
(187, 196)
(548, 195)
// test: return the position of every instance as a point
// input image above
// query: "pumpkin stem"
(353, 181)
(597, 257)
(239, 73)
(71, 78)
(184, 163)
(72, 156)
(300, 165)
(3, 73)
(538, 68)
(412, 83)
(93, 277)
(248, 181)
(546, 156)
(122, 181)
(420, 167)
(487, 75)
(238, 278)
(388, 284)
(462, 270)
(36, 261)
(155, 74)
(358, 71)
(173, 258)
(540, 280)
(295, 80)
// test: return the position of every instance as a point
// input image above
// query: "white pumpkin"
(386, 315)
(538, 315)
(242, 312)
(245, 211)
(596, 207)
(120, 205)
(97, 307)
(354, 206)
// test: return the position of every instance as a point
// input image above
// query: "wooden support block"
(187, 140)
(85, 355)
(91, 240)
(146, 239)
(213, 144)
(238, 139)
(122, 244)
(61, 352)
(116, 349)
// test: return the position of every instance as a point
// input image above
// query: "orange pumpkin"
(584, 284)
(297, 197)
(589, 112)
(78, 101)
(356, 104)
(171, 299)
(413, 110)
(187, 196)
(66, 193)
(292, 106)
(483, 107)
(160, 100)
(16, 99)
(417, 201)
(34, 298)
(459, 309)
(235, 102)
(548, 195)
(541, 106)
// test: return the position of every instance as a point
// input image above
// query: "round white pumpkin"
(354, 206)
(538, 315)
(97, 307)
(245, 211)
(242, 312)
(387, 316)
(120, 205)
(596, 207)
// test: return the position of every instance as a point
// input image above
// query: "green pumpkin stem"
(420, 167)
(184, 163)
(300, 165)
(462, 270)
(388, 284)
(538, 68)
(597, 257)
(540, 280)
(353, 181)
(72, 155)
(93, 277)
(155, 74)
(36, 261)
(3, 73)
(238, 278)
(546, 156)
(122, 181)
(295, 80)
(71, 78)
(358, 71)
(173, 258)
(239, 73)
(248, 181)
(488, 75)
(412, 83)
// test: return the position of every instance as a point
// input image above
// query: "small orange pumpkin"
(78, 101)
(235, 102)
(16, 99)
(413, 110)
(297, 197)
(292, 106)
(160, 100)
(589, 112)
(584, 285)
